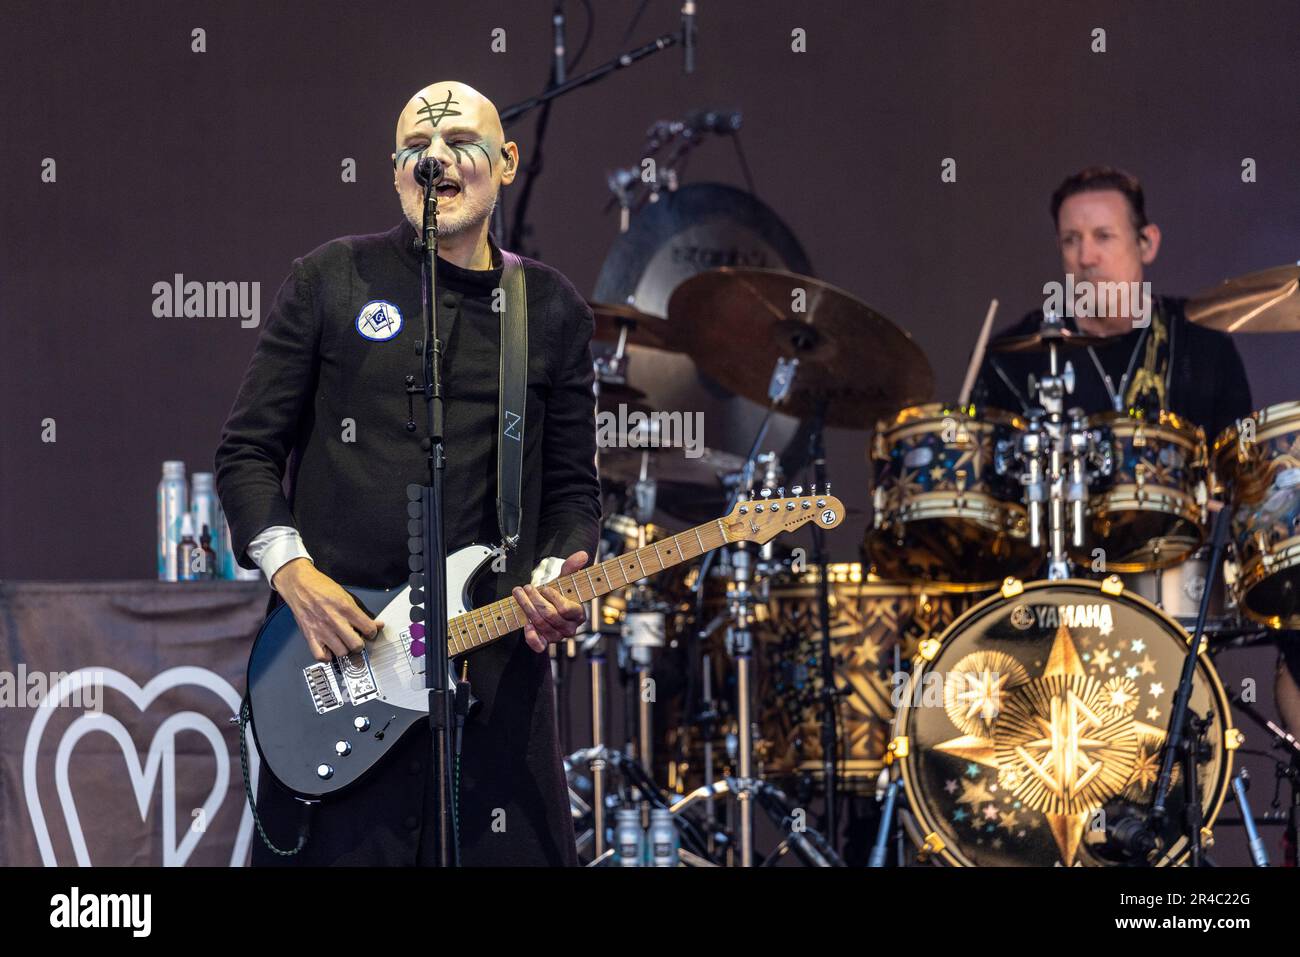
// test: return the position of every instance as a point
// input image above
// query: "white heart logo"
(161, 756)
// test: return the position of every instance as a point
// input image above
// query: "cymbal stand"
(739, 634)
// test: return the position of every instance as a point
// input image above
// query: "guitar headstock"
(764, 515)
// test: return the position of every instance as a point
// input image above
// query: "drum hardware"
(808, 844)
(1286, 769)
(639, 788)
(1258, 850)
(739, 635)
(1054, 449)
(886, 828)
(1185, 738)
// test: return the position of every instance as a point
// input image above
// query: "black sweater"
(329, 405)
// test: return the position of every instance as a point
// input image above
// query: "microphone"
(713, 121)
(688, 35)
(428, 170)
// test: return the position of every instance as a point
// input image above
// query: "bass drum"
(870, 621)
(1035, 725)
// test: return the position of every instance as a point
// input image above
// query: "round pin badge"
(379, 320)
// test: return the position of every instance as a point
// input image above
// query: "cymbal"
(1041, 342)
(706, 471)
(642, 328)
(736, 323)
(1264, 301)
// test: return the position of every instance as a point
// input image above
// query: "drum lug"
(933, 844)
(1207, 837)
(1012, 587)
(1233, 738)
(898, 749)
(928, 648)
(1112, 585)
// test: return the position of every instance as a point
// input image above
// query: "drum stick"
(977, 357)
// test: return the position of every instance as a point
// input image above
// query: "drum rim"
(1270, 416)
(915, 415)
(921, 810)
(1177, 427)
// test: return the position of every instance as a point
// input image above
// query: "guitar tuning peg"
(797, 491)
(780, 492)
(813, 489)
(828, 489)
(766, 492)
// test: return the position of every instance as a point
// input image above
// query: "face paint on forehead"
(434, 113)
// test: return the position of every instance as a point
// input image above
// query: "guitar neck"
(484, 625)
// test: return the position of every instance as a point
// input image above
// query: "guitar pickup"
(322, 687)
(357, 677)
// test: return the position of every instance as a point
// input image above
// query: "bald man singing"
(328, 399)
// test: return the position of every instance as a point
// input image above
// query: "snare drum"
(947, 497)
(1257, 464)
(1147, 497)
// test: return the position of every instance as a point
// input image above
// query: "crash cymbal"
(736, 323)
(642, 329)
(1264, 301)
(1042, 341)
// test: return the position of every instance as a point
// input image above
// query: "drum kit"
(1007, 674)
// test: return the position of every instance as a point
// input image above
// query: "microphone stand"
(553, 90)
(829, 731)
(1178, 742)
(433, 542)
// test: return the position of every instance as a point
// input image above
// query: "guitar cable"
(304, 828)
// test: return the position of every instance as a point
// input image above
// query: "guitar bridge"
(322, 687)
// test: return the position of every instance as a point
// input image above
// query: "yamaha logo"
(1022, 618)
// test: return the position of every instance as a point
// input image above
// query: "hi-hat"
(736, 323)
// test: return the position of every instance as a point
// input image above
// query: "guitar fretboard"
(477, 628)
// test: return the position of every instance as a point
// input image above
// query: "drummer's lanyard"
(1117, 396)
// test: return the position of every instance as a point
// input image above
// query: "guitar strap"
(512, 398)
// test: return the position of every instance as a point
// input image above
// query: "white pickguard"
(400, 678)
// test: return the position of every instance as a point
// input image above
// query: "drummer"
(1169, 364)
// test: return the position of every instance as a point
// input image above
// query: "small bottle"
(171, 507)
(663, 838)
(204, 508)
(629, 839)
(189, 557)
(209, 555)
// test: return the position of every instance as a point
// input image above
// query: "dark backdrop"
(225, 165)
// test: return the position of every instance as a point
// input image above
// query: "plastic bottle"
(629, 839)
(171, 508)
(663, 838)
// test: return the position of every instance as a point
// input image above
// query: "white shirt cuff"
(547, 570)
(273, 548)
